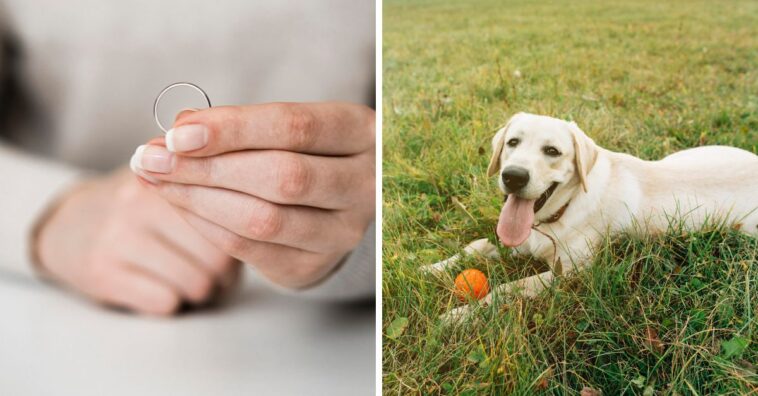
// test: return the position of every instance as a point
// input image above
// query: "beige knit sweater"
(79, 78)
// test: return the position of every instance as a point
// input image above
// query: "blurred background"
(77, 85)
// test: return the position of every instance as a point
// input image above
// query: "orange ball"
(471, 283)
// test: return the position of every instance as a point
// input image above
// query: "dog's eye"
(513, 142)
(551, 151)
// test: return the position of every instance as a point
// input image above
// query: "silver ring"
(170, 87)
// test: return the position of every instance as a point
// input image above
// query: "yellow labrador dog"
(564, 194)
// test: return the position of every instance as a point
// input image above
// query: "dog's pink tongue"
(516, 221)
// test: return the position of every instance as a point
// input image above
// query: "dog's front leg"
(527, 287)
(481, 247)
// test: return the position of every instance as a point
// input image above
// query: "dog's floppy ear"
(498, 141)
(585, 153)
(497, 148)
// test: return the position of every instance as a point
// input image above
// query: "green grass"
(673, 314)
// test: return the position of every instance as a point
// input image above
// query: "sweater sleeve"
(30, 186)
(354, 280)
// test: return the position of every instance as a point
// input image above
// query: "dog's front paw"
(440, 267)
(518, 251)
(482, 247)
(457, 315)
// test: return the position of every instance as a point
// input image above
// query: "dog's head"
(533, 157)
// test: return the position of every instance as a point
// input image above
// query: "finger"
(277, 176)
(158, 141)
(202, 252)
(130, 288)
(312, 229)
(317, 128)
(286, 266)
(160, 260)
(183, 114)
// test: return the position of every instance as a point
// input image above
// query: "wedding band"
(170, 87)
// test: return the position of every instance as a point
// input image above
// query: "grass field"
(675, 314)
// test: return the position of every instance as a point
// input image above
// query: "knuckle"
(238, 121)
(265, 223)
(294, 178)
(204, 169)
(298, 124)
(172, 191)
(180, 194)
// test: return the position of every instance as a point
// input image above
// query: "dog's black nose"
(515, 178)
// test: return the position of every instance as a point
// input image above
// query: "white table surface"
(55, 343)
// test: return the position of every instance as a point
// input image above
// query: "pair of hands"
(287, 188)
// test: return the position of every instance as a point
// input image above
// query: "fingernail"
(187, 138)
(157, 159)
(136, 164)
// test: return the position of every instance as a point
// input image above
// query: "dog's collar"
(556, 216)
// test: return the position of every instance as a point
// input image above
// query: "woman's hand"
(121, 244)
(287, 188)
